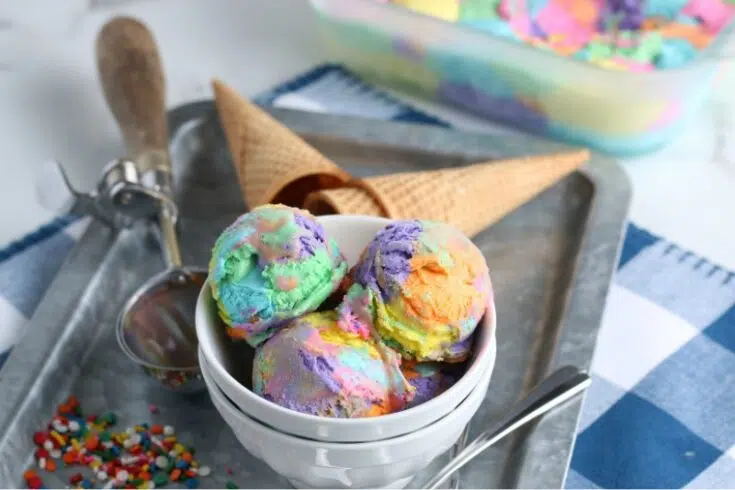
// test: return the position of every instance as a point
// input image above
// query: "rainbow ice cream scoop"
(423, 286)
(271, 265)
(312, 366)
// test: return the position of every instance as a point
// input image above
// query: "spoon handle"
(560, 386)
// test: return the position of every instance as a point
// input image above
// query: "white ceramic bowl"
(231, 362)
(389, 463)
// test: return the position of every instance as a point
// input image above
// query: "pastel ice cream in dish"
(314, 367)
(629, 35)
(271, 265)
(621, 76)
(422, 286)
(403, 322)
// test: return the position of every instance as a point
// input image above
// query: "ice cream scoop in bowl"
(230, 362)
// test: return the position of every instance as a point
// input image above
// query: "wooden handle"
(133, 83)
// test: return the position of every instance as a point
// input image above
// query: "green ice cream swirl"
(271, 265)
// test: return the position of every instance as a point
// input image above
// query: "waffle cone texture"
(471, 198)
(273, 164)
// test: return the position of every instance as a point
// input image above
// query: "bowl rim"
(476, 362)
(215, 391)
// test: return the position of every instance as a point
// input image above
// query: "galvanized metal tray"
(551, 262)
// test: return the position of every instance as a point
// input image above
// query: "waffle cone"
(273, 164)
(471, 197)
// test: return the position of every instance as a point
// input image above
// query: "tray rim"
(600, 244)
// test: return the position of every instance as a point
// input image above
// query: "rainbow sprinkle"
(141, 456)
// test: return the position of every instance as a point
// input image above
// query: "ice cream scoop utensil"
(557, 388)
(120, 199)
(156, 326)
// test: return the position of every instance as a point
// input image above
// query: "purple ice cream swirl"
(430, 379)
(313, 239)
(383, 266)
(387, 260)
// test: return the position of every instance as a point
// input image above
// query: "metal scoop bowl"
(154, 329)
(156, 326)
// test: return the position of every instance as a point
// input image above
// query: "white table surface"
(52, 106)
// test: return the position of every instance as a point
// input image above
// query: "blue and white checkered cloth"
(661, 409)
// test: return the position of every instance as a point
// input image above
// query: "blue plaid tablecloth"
(661, 410)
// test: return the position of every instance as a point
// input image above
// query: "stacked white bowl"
(321, 452)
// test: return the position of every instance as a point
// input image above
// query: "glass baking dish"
(616, 112)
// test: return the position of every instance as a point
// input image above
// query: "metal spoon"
(556, 389)
(454, 451)
(156, 326)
